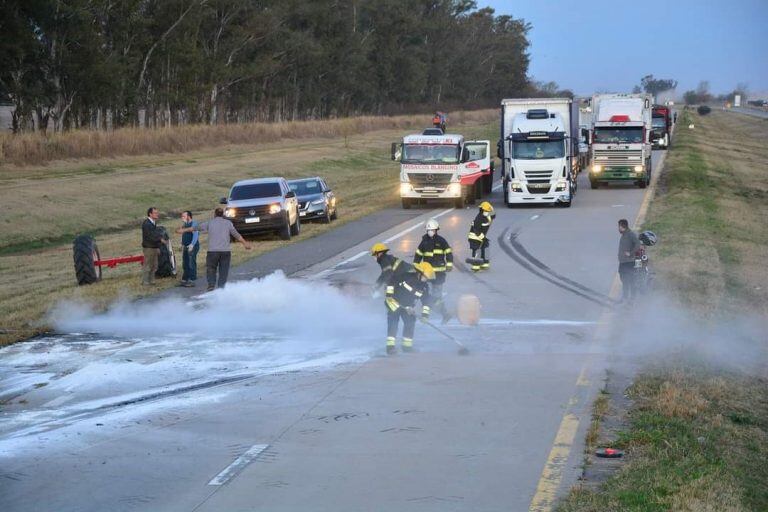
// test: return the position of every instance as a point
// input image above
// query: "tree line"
(111, 63)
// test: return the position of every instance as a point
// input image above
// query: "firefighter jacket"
(392, 268)
(405, 292)
(479, 229)
(435, 251)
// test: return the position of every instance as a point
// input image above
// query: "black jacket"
(435, 251)
(151, 235)
(392, 268)
(480, 226)
(406, 291)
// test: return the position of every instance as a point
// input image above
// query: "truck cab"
(661, 125)
(539, 150)
(621, 145)
(443, 167)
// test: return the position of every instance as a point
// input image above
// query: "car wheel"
(285, 231)
(335, 214)
(296, 228)
(327, 217)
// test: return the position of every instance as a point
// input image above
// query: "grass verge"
(47, 206)
(696, 434)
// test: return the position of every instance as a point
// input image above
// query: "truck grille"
(621, 157)
(538, 177)
(245, 211)
(426, 179)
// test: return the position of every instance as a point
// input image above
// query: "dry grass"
(34, 148)
(45, 207)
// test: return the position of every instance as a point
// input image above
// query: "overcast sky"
(609, 45)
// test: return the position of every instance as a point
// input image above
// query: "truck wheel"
(285, 231)
(458, 203)
(166, 260)
(85, 253)
(505, 192)
(406, 203)
(594, 184)
(488, 182)
(296, 228)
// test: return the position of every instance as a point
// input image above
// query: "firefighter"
(401, 301)
(392, 268)
(478, 237)
(435, 250)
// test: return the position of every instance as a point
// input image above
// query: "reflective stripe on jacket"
(435, 251)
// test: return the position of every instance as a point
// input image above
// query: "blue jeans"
(189, 264)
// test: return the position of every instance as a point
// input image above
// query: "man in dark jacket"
(392, 268)
(628, 245)
(151, 238)
(435, 250)
(190, 246)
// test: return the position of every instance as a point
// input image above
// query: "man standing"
(219, 254)
(190, 246)
(435, 250)
(628, 245)
(478, 237)
(151, 238)
(400, 304)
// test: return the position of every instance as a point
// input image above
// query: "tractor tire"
(85, 252)
(166, 260)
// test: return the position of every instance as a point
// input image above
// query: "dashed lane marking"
(238, 465)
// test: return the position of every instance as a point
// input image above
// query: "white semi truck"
(443, 167)
(621, 139)
(539, 150)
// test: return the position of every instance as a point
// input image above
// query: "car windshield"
(626, 135)
(431, 153)
(537, 149)
(305, 188)
(658, 122)
(255, 191)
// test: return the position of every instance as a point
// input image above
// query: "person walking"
(190, 246)
(392, 268)
(628, 245)
(435, 250)
(151, 239)
(219, 255)
(478, 237)
(400, 304)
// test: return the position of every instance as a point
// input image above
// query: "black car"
(316, 199)
(266, 204)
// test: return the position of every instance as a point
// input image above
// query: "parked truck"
(621, 147)
(539, 150)
(443, 167)
(661, 126)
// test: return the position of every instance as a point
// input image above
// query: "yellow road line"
(552, 474)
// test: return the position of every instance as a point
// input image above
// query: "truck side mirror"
(396, 150)
(498, 149)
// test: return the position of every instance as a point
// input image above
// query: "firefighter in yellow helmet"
(478, 237)
(401, 302)
(392, 268)
(435, 250)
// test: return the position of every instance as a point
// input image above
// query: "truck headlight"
(229, 212)
(405, 188)
(275, 208)
(597, 168)
(517, 186)
(638, 168)
(561, 184)
(454, 189)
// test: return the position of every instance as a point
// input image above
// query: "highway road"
(309, 413)
(750, 111)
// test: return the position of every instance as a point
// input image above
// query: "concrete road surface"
(750, 111)
(345, 428)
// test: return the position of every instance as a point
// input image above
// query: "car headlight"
(454, 188)
(405, 188)
(229, 212)
(318, 201)
(275, 208)
(638, 168)
(597, 168)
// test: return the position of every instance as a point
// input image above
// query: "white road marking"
(534, 322)
(394, 237)
(59, 400)
(534, 217)
(497, 187)
(238, 465)
(617, 206)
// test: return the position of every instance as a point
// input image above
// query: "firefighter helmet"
(648, 238)
(432, 225)
(425, 269)
(486, 206)
(377, 248)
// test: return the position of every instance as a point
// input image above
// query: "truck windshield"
(537, 149)
(255, 191)
(624, 134)
(431, 153)
(658, 122)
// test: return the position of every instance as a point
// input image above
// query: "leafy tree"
(654, 86)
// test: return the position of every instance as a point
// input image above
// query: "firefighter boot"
(391, 345)
(407, 345)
